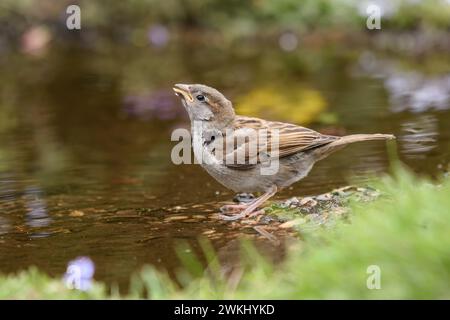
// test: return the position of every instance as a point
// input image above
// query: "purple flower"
(79, 274)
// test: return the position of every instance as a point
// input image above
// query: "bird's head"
(204, 103)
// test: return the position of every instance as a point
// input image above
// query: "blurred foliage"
(405, 233)
(308, 14)
(130, 19)
(430, 13)
(293, 104)
(32, 284)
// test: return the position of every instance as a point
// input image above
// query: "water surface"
(85, 144)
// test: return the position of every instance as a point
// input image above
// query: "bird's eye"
(201, 97)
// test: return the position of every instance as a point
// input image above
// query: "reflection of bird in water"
(232, 266)
(286, 154)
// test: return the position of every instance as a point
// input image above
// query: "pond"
(85, 167)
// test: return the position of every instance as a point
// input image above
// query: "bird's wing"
(291, 139)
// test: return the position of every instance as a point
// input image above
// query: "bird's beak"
(182, 90)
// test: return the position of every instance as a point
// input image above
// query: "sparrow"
(222, 142)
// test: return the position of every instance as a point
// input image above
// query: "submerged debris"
(76, 213)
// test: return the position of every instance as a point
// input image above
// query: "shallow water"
(85, 146)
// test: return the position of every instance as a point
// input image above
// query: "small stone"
(76, 213)
(126, 212)
(324, 197)
(249, 221)
(309, 201)
(291, 223)
(291, 202)
(175, 218)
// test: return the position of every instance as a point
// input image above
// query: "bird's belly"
(239, 180)
(253, 180)
(289, 170)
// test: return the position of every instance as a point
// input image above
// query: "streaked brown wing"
(292, 139)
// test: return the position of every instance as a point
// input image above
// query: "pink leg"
(252, 206)
(233, 208)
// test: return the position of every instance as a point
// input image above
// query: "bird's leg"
(252, 206)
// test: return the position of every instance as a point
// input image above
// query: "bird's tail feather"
(343, 141)
(361, 137)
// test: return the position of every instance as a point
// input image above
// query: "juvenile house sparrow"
(214, 121)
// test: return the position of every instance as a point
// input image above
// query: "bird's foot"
(243, 213)
(251, 209)
(233, 208)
